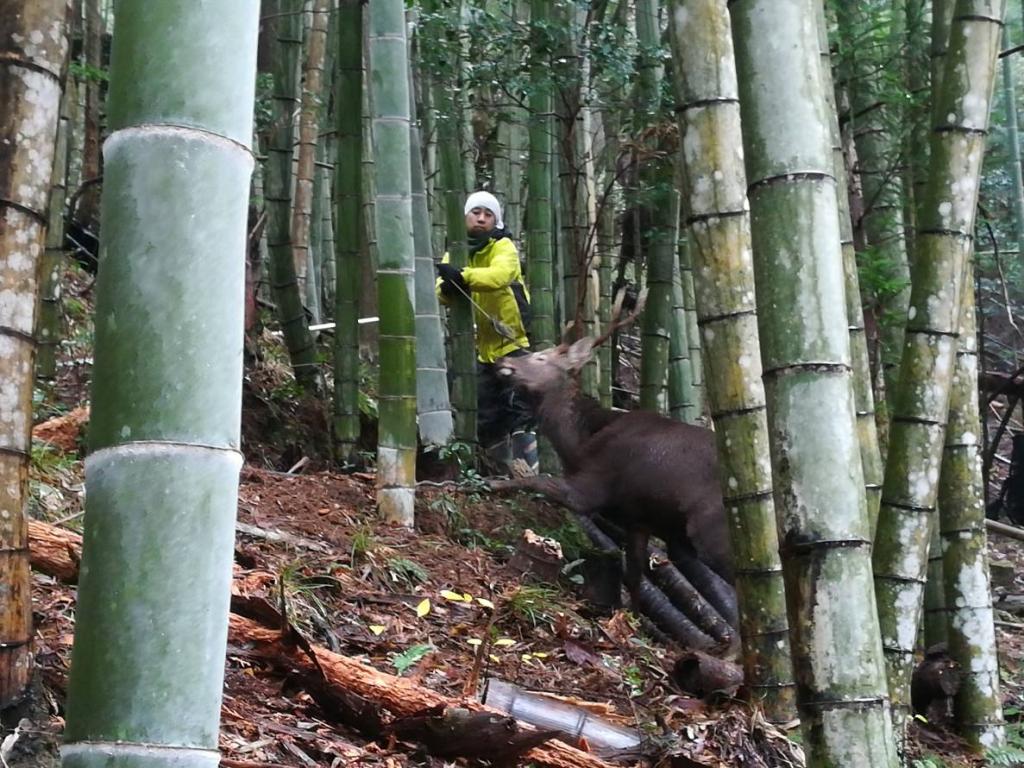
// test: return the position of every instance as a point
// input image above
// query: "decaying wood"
(54, 549)
(452, 732)
(702, 675)
(63, 432)
(538, 556)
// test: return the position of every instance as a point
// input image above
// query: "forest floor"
(439, 607)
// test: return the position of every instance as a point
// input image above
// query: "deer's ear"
(579, 353)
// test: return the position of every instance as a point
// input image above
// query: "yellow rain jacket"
(495, 282)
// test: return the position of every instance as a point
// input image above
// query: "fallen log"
(53, 549)
(400, 696)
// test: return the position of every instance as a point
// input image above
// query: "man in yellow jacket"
(493, 281)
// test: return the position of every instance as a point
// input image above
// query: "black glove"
(451, 278)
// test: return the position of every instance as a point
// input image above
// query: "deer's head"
(548, 369)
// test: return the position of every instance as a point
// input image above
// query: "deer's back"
(662, 475)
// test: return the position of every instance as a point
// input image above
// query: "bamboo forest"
(562, 383)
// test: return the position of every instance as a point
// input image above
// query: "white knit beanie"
(485, 200)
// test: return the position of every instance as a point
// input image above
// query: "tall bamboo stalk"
(446, 79)
(283, 279)
(348, 186)
(311, 105)
(1013, 140)
(818, 483)
(396, 389)
(659, 242)
(878, 141)
(971, 632)
(719, 227)
(921, 403)
(33, 48)
(863, 395)
(433, 409)
(48, 324)
(162, 475)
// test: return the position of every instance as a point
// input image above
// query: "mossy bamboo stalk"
(348, 189)
(863, 394)
(396, 388)
(921, 403)
(33, 48)
(818, 483)
(718, 223)
(162, 473)
(971, 632)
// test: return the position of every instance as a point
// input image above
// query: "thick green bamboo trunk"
(971, 632)
(863, 394)
(33, 48)
(433, 407)
(49, 322)
(396, 292)
(1013, 142)
(288, 294)
(921, 403)
(719, 228)
(818, 483)
(446, 76)
(162, 474)
(877, 136)
(348, 186)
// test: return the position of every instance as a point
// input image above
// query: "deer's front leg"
(636, 559)
(558, 489)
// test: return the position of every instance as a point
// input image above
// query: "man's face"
(479, 221)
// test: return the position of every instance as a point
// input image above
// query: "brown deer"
(644, 472)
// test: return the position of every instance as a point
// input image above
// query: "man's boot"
(525, 462)
(498, 457)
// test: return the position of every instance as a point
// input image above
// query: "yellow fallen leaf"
(466, 597)
(474, 641)
(485, 602)
(540, 654)
(494, 658)
(505, 641)
(423, 608)
(455, 597)
(377, 628)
